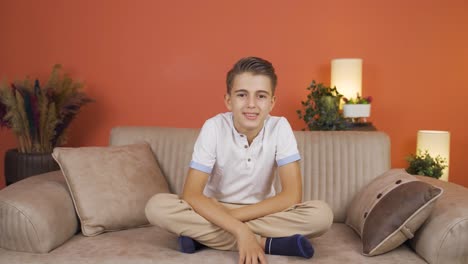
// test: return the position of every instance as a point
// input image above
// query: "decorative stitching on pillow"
(407, 232)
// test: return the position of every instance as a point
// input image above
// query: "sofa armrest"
(443, 238)
(37, 214)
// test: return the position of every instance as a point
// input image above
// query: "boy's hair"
(254, 65)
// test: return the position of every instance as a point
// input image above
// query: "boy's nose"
(251, 101)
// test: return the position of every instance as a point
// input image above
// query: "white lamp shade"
(346, 75)
(436, 143)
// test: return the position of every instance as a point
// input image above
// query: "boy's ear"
(273, 102)
(227, 101)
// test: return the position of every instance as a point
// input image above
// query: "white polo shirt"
(240, 173)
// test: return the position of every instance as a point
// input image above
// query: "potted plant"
(358, 107)
(322, 108)
(39, 117)
(424, 164)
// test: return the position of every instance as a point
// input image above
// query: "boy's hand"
(250, 251)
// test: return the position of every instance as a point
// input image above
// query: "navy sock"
(296, 245)
(188, 245)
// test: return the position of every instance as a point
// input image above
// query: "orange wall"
(164, 62)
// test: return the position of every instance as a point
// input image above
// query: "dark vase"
(22, 165)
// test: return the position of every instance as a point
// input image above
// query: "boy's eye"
(240, 95)
(262, 96)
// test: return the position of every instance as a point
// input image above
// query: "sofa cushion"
(36, 214)
(111, 185)
(390, 209)
(443, 238)
(335, 164)
(150, 245)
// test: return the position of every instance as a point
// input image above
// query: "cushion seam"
(447, 231)
(25, 216)
(70, 191)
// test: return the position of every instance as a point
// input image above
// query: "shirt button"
(246, 146)
(248, 160)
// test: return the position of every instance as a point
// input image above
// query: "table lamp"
(436, 143)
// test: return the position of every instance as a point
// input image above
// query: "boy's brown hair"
(254, 65)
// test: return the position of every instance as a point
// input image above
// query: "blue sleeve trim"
(200, 167)
(288, 159)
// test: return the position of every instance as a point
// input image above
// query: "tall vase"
(22, 165)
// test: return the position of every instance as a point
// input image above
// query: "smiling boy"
(229, 201)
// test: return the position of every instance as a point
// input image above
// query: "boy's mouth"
(251, 116)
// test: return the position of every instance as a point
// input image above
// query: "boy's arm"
(291, 193)
(248, 246)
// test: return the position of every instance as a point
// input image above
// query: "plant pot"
(356, 110)
(22, 165)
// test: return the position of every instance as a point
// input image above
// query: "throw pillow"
(111, 185)
(390, 209)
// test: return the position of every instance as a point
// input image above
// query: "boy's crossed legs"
(308, 219)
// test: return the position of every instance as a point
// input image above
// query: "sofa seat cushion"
(110, 186)
(153, 245)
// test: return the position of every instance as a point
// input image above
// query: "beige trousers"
(168, 211)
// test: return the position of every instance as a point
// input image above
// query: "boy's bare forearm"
(215, 213)
(268, 206)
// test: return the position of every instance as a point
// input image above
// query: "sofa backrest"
(335, 165)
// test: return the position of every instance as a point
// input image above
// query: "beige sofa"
(335, 166)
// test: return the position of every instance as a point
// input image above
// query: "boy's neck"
(251, 135)
(251, 138)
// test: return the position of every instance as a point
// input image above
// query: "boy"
(229, 201)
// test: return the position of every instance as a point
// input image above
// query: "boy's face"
(250, 101)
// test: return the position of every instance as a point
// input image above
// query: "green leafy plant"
(40, 117)
(424, 164)
(358, 100)
(321, 109)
